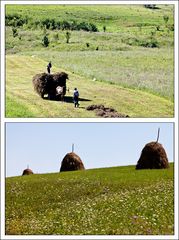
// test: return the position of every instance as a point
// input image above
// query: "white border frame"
(51, 120)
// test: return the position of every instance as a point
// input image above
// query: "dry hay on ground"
(27, 172)
(71, 162)
(105, 112)
(153, 156)
(47, 83)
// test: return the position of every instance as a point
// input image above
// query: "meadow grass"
(114, 17)
(120, 67)
(109, 201)
(149, 70)
(19, 89)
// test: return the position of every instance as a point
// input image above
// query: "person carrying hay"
(75, 97)
(48, 67)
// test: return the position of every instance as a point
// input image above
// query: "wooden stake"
(158, 135)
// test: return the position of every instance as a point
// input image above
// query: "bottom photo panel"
(89, 178)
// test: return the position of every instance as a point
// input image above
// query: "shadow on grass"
(68, 99)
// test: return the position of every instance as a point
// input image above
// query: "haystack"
(71, 162)
(47, 83)
(27, 171)
(153, 156)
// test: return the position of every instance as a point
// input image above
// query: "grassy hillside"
(118, 200)
(23, 101)
(135, 52)
(115, 17)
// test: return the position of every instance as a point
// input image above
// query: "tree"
(67, 35)
(45, 41)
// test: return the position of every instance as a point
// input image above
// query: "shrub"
(171, 27)
(83, 26)
(93, 28)
(67, 35)
(158, 28)
(65, 25)
(58, 25)
(45, 41)
(15, 20)
(46, 23)
(165, 18)
(14, 32)
(150, 6)
(149, 43)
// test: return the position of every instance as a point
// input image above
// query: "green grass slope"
(109, 201)
(23, 101)
(136, 52)
(115, 17)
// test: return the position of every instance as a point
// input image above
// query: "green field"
(109, 201)
(133, 67)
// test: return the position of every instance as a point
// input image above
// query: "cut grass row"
(106, 201)
(20, 92)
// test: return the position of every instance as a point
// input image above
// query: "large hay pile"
(71, 162)
(27, 171)
(153, 156)
(47, 83)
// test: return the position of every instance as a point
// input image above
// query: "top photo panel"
(89, 61)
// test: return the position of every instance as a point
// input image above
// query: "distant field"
(135, 52)
(109, 201)
(115, 17)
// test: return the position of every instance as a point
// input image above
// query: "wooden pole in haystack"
(72, 147)
(158, 135)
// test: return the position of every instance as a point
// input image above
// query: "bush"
(15, 20)
(171, 27)
(165, 18)
(46, 23)
(14, 32)
(150, 6)
(67, 35)
(152, 43)
(149, 43)
(45, 41)
(93, 28)
(65, 25)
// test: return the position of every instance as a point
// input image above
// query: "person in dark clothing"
(75, 97)
(49, 66)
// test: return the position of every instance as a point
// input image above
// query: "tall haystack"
(153, 156)
(27, 171)
(47, 83)
(71, 162)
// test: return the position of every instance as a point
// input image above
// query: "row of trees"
(16, 20)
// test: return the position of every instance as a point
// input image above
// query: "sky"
(42, 146)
